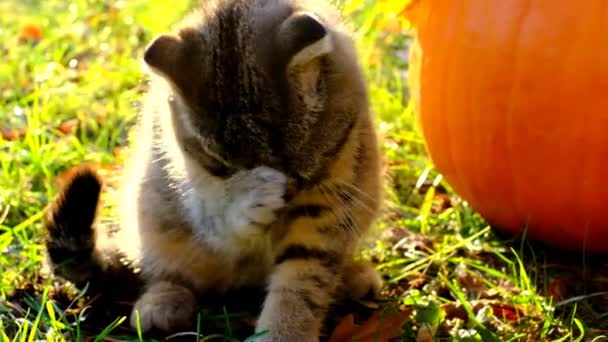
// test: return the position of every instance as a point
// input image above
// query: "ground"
(70, 85)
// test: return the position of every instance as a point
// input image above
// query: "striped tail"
(73, 249)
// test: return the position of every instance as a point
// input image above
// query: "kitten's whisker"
(348, 211)
(331, 207)
(347, 219)
(353, 187)
(337, 192)
(352, 197)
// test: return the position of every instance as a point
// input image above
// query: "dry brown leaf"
(31, 32)
(507, 311)
(504, 311)
(380, 327)
(67, 126)
(12, 134)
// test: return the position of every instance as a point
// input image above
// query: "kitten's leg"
(301, 290)
(304, 285)
(361, 280)
(308, 272)
(165, 306)
(311, 263)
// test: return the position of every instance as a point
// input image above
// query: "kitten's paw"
(362, 280)
(164, 306)
(259, 194)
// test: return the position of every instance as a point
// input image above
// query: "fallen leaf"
(68, 126)
(344, 330)
(508, 312)
(505, 311)
(380, 327)
(31, 32)
(417, 282)
(12, 134)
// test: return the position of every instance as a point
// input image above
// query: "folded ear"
(303, 38)
(163, 54)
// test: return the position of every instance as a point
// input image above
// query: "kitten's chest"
(250, 258)
(243, 261)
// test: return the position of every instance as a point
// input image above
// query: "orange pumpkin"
(512, 99)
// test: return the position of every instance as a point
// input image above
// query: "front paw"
(164, 306)
(255, 196)
(362, 280)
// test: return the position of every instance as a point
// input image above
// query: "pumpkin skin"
(512, 101)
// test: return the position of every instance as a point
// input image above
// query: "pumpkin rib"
(462, 55)
(445, 99)
(509, 124)
(434, 134)
(571, 51)
(526, 60)
(585, 190)
(546, 211)
(582, 38)
(478, 64)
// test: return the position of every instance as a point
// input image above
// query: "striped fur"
(255, 163)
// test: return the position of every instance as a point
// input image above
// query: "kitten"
(255, 163)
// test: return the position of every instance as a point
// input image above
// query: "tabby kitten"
(255, 164)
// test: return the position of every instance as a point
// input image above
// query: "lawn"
(70, 84)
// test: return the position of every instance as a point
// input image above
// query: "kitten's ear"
(304, 38)
(162, 55)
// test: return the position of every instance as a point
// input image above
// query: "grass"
(71, 96)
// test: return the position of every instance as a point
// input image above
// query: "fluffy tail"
(73, 245)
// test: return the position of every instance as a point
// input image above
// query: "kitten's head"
(262, 82)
